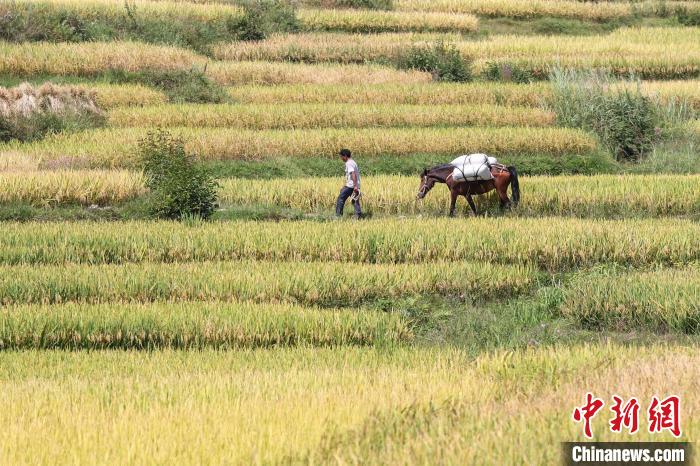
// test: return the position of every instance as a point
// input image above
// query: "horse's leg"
(501, 185)
(453, 201)
(470, 200)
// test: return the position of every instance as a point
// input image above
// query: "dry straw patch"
(290, 116)
(26, 100)
(117, 147)
(90, 58)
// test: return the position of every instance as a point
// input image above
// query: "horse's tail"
(514, 184)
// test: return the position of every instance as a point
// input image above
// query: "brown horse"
(502, 177)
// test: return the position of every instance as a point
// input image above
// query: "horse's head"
(426, 184)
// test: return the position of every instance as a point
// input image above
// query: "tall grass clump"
(29, 113)
(192, 85)
(626, 120)
(264, 17)
(179, 186)
(440, 59)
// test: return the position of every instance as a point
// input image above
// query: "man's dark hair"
(345, 153)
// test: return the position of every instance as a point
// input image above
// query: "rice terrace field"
(176, 289)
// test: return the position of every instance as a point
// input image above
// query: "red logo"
(665, 415)
(662, 414)
(586, 413)
(626, 416)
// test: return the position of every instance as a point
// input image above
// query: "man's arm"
(353, 175)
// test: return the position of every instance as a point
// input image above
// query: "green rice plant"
(551, 243)
(90, 59)
(117, 147)
(290, 116)
(578, 196)
(477, 93)
(313, 283)
(193, 325)
(664, 300)
(57, 187)
(368, 21)
(268, 73)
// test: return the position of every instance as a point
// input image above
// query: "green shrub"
(510, 72)
(688, 18)
(627, 121)
(181, 86)
(264, 17)
(180, 188)
(442, 60)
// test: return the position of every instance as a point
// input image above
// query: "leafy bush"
(627, 121)
(264, 17)
(180, 188)
(509, 72)
(442, 60)
(180, 86)
(688, 18)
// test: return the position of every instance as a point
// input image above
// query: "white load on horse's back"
(473, 167)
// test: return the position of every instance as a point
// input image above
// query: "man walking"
(352, 185)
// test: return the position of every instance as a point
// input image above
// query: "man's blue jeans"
(345, 193)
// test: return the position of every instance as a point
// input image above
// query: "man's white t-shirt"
(351, 166)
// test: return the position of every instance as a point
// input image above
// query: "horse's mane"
(444, 166)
